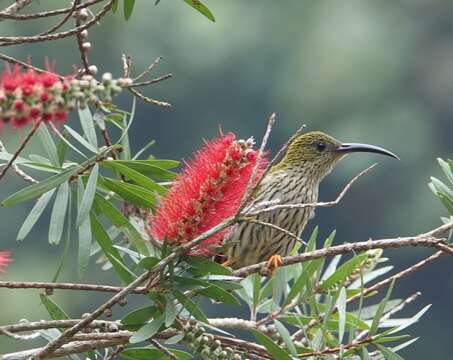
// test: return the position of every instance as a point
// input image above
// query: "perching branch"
(428, 239)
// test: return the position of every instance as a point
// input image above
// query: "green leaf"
(341, 303)
(84, 232)
(190, 306)
(147, 331)
(86, 201)
(206, 266)
(153, 353)
(148, 262)
(128, 8)
(135, 176)
(118, 219)
(139, 316)
(80, 139)
(104, 241)
(200, 7)
(55, 312)
(447, 169)
(37, 189)
(170, 311)
(62, 148)
(131, 193)
(332, 323)
(286, 336)
(217, 293)
(152, 168)
(87, 122)
(309, 268)
(389, 354)
(411, 320)
(49, 145)
(58, 215)
(380, 310)
(115, 6)
(344, 271)
(34, 215)
(276, 351)
(143, 149)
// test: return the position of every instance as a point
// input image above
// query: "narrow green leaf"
(131, 193)
(190, 306)
(124, 138)
(128, 8)
(276, 351)
(34, 215)
(122, 270)
(84, 232)
(365, 355)
(58, 215)
(109, 250)
(135, 176)
(286, 336)
(148, 262)
(154, 354)
(309, 268)
(147, 331)
(88, 196)
(447, 169)
(115, 6)
(200, 7)
(118, 219)
(37, 189)
(341, 304)
(411, 320)
(170, 311)
(217, 293)
(49, 145)
(206, 266)
(344, 271)
(143, 149)
(67, 242)
(87, 122)
(62, 148)
(380, 310)
(66, 141)
(149, 168)
(80, 139)
(389, 354)
(55, 312)
(139, 316)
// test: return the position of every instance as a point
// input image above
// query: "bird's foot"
(274, 262)
(227, 263)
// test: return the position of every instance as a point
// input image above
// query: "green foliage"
(443, 191)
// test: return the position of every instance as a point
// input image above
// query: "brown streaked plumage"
(295, 179)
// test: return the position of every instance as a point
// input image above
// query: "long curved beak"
(356, 147)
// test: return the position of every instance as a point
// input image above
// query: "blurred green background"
(379, 72)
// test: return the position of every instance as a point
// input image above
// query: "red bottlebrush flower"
(208, 190)
(29, 96)
(4, 260)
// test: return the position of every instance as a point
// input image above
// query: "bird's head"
(317, 153)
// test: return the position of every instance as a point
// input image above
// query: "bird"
(294, 179)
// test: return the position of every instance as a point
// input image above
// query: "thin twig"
(152, 81)
(12, 40)
(63, 20)
(103, 325)
(316, 204)
(49, 13)
(21, 147)
(16, 168)
(148, 69)
(148, 99)
(163, 349)
(249, 190)
(272, 226)
(66, 286)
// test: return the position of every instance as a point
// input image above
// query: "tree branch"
(425, 240)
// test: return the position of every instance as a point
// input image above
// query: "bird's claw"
(274, 262)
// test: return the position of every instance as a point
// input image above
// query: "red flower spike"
(5, 259)
(208, 190)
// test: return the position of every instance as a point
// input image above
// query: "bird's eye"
(320, 146)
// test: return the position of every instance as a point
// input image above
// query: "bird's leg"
(274, 262)
(227, 263)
